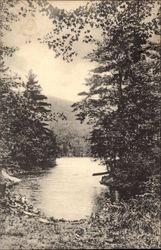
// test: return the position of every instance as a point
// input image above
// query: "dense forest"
(35, 129)
(123, 102)
(121, 105)
(32, 131)
(26, 140)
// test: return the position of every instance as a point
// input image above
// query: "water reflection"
(66, 191)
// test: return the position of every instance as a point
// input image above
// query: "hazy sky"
(57, 78)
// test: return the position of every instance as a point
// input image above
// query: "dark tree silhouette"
(122, 101)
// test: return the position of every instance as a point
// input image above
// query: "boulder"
(5, 175)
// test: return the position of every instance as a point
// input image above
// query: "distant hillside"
(71, 134)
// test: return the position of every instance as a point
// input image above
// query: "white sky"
(57, 78)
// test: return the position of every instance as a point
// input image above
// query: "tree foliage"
(37, 143)
(25, 139)
(122, 101)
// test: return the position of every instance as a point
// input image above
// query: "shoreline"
(118, 225)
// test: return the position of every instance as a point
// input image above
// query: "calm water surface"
(66, 191)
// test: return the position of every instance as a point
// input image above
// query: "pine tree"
(23, 121)
(38, 107)
(122, 101)
(36, 143)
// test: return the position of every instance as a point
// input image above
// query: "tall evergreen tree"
(23, 121)
(36, 143)
(122, 101)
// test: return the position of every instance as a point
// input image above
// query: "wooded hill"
(70, 133)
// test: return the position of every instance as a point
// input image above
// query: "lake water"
(67, 191)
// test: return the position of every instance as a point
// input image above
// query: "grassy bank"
(132, 224)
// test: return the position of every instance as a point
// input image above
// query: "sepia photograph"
(80, 124)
